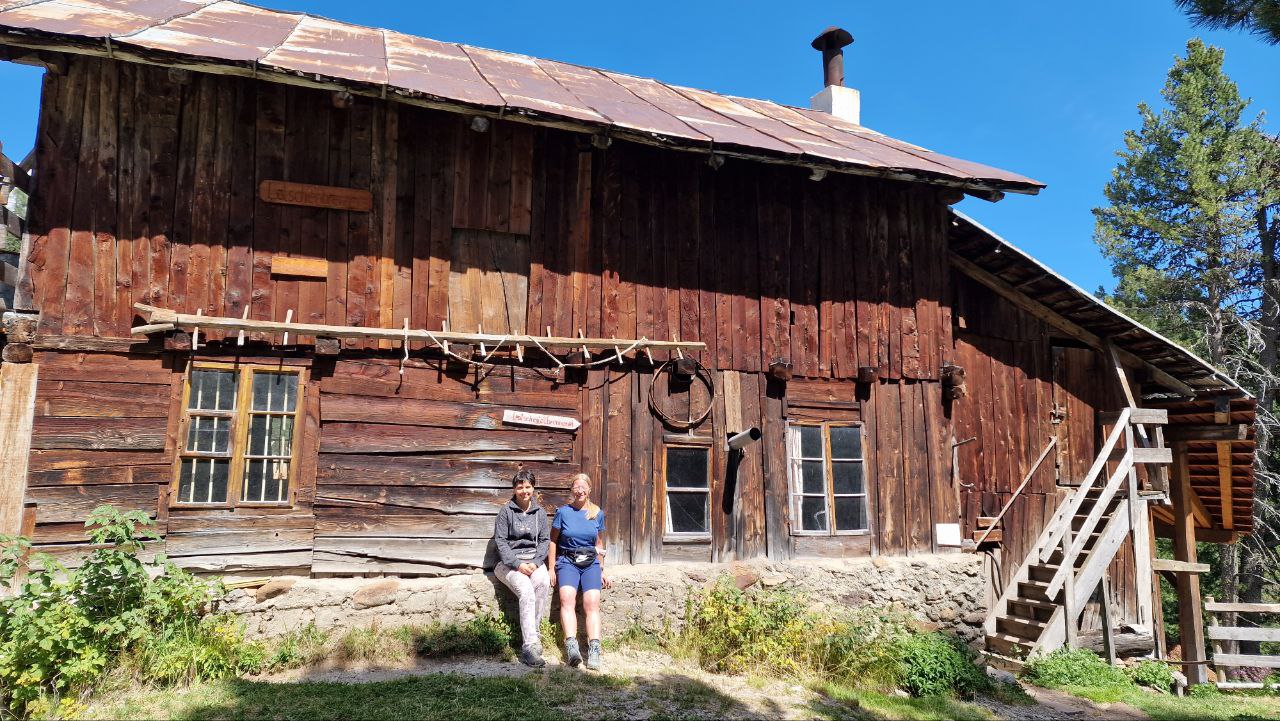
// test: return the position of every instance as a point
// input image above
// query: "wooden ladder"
(1039, 610)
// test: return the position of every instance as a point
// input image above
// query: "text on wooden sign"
(315, 196)
(525, 418)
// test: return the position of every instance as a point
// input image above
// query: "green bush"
(63, 629)
(1079, 668)
(733, 631)
(298, 647)
(1152, 674)
(934, 664)
(773, 633)
(861, 650)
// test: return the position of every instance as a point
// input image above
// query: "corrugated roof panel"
(96, 18)
(841, 148)
(721, 130)
(224, 30)
(230, 31)
(526, 86)
(332, 49)
(437, 69)
(617, 103)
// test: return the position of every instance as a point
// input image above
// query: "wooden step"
(986, 521)
(1031, 608)
(1034, 590)
(1012, 665)
(1010, 646)
(994, 536)
(1025, 628)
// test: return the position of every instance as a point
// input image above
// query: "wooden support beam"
(1201, 514)
(1165, 564)
(1039, 310)
(1224, 484)
(155, 316)
(1213, 607)
(1190, 621)
(1207, 535)
(17, 409)
(1237, 432)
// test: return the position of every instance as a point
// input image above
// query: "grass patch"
(1202, 707)
(441, 696)
(846, 702)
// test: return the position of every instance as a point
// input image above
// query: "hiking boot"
(531, 657)
(593, 654)
(572, 655)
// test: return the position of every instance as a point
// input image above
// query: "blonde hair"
(592, 510)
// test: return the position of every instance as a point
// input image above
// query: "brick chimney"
(835, 98)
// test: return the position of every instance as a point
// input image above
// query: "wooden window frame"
(669, 536)
(240, 421)
(794, 481)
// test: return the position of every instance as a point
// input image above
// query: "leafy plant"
(1152, 674)
(734, 631)
(934, 664)
(64, 628)
(1079, 668)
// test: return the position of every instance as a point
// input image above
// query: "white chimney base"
(844, 103)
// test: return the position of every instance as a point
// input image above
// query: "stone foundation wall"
(946, 591)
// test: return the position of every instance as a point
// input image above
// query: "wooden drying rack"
(160, 320)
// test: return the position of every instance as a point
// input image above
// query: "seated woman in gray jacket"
(522, 534)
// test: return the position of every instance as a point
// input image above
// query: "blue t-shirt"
(576, 530)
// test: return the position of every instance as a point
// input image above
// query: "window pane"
(846, 442)
(266, 480)
(209, 435)
(811, 442)
(687, 512)
(686, 467)
(271, 435)
(813, 513)
(212, 390)
(812, 474)
(203, 480)
(851, 513)
(847, 477)
(275, 391)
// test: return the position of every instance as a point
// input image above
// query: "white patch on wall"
(948, 534)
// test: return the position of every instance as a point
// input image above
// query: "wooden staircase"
(1039, 610)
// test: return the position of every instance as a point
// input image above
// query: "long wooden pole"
(162, 318)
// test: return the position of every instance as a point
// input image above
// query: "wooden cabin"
(309, 293)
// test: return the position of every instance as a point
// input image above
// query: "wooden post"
(17, 408)
(1108, 640)
(1069, 610)
(1217, 647)
(1190, 622)
(1157, 598)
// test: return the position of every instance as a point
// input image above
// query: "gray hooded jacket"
(522, 536)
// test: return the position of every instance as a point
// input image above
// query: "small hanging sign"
(525, 418)
(316, 196)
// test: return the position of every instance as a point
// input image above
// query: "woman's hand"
(527, 568)
(604, 579)
(551, 571)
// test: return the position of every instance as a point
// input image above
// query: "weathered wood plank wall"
(149, 194)
(1026, 387)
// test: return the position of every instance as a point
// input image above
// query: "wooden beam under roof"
(1048, 315)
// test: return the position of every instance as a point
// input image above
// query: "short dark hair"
(524, 475)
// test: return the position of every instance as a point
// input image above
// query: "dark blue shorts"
(583, 579)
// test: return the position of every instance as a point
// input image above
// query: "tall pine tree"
(1190, 233)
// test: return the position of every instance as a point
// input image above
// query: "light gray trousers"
(534, 594)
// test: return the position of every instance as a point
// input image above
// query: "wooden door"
(1076, 386)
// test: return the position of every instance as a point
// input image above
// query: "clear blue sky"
(1044, 89)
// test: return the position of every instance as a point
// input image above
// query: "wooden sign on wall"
(315, 196)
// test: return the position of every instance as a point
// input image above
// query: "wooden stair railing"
(1040, 608)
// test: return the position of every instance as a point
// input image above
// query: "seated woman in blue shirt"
(576, 562)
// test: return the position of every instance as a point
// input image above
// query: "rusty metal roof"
(229, 36)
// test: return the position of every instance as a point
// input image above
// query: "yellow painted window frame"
(673, 536)
(828, 479)
(239, 435)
